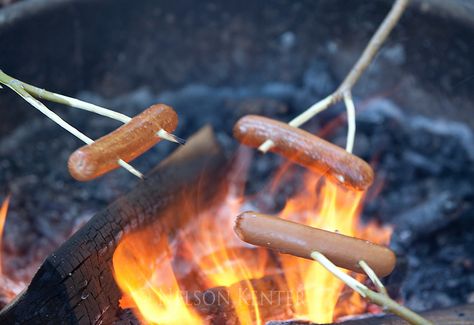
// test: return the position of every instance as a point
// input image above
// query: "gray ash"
(428, 195)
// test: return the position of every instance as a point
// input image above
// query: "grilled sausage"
(306, 149)
(300, 240)
(127, 142)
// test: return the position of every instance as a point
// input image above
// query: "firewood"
(459, 315)
(270, 294)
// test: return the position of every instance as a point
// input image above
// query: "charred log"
(75, 284)
(460, 315)
(218, 305)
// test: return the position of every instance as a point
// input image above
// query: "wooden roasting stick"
(156, 118)
(300, 240)
(306, 149)
(127, 142)
(345, 89)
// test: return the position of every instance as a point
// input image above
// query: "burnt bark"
(217, 306)
(459, 315)
(75, 284)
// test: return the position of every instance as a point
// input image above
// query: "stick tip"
(171, 137)
(179, 140)
(267, 145)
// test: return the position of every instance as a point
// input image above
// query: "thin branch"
(170, 137)
(347, 279)
(76, 103)
(302, 118)
(373, 277)
(69, 101)
(374, 45)
(351, 121)
(356, 72)
(130, 168)
(18, 88)
(375, 297)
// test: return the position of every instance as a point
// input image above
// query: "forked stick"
(378, 298)
(373, 277)
(27, 91)
(76, 103)
(17, 87)
(344, 90)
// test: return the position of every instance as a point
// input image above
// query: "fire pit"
(166, 252)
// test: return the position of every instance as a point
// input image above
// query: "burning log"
(216, 307)
(459, 315)
(75, 284)
(224, 305)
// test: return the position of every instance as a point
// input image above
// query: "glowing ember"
(9, 287)
(3, 217)
(148, 269)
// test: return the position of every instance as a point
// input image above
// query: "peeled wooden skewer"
(343, 92)
(27, 91)
(76, 103)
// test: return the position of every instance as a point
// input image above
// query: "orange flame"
(3, 217)
(336, 211)
(9, 286)
(146, 273)
(143, 270)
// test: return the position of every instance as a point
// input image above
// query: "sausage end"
(238, 226)
(80, 167)
(390, 263)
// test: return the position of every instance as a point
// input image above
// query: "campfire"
(206, 266)
(275, 163)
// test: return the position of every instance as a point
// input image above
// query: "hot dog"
(300, 240)
(306, 149)
(127, 142)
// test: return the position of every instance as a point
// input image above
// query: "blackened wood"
(75, 284)
(217, 305)
(459, 315)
